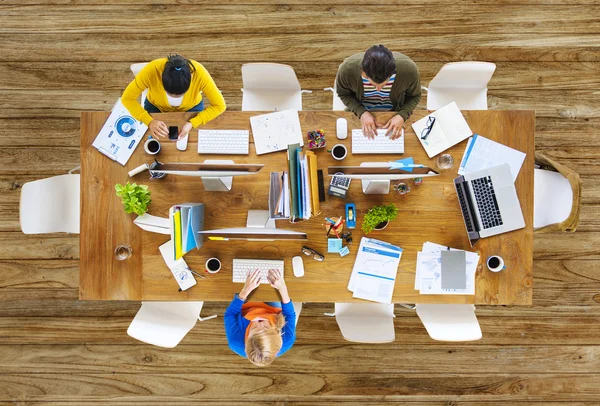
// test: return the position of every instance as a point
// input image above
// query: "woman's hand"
(276, 280)
(185, 130)
(252, 282)
(158, 128)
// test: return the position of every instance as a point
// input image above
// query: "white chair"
(270, 87)
(51, 205)
(164, 324)
(365, 322)
(462, 82)
(450, 322)
(552, 198)
(136, 68)
(338, 104)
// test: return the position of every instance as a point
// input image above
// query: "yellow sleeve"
(134, 90)
(210, 90)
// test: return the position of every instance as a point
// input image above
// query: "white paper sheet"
(449, 129)
(179, 268)
(275, 131)
(482, 153)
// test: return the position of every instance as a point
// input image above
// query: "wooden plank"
(274, 19)
(31, 276)
(324, 282)
(47, 132)
(560, 246)
(533, 76)
(502, 330)
(238, 388)
(307, 47)
(494, 3)
(16, 245)
(307, 359)
(38, 160)
(583, 160)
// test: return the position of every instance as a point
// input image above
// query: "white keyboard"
(380, 145)
(223, 141)
(243, 267)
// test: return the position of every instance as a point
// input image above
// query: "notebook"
(275, 131)
(449, 128)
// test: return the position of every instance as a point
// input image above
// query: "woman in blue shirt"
(261, 331)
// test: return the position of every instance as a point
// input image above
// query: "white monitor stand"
(215, 184)
(259, 219)
(375, 187)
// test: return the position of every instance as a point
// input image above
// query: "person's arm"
(132, 93)
(234, 327)
(210, 90)
(288, 333)
(413, 95)
(346, 93)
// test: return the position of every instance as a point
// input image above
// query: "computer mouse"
(298, 267)
(342, 128)
(182, 143)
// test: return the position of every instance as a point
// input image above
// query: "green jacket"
(405, 93)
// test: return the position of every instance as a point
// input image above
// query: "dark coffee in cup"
(153, 146)
(339, 152)
(213, 265)
(493, 262)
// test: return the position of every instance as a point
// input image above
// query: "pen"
(197, 274)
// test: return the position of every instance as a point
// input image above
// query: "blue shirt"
(236, 325)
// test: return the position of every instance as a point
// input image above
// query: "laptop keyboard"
(486, 202)
(465, 209)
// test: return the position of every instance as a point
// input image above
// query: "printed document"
(375, 268)
(482, 153)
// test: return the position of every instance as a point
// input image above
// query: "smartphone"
(173, 132)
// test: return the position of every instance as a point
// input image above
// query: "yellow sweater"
(151, 78)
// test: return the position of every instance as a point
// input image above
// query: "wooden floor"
(63, 56)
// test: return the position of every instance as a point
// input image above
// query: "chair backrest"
(50, 205)
(552, 198)
(164, 324)
(450, 322)
(461, 75)
(366, 322)
(136, 68)
(269, 76)
(338, 104)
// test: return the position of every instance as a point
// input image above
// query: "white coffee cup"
(214, 266)
(337, 148)
(495, 263)
(148, 146)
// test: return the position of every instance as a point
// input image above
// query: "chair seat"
(552, 198)
(466, 99)
(271, 100)
(450, 322)
(366, 322)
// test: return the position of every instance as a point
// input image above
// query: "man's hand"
(394, 127)
(369, 126)
(185, 130)
(158, 128)
(252, 282)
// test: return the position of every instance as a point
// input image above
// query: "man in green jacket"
(379, 80)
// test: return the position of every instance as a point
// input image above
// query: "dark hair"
(177, 75)
(378, 63)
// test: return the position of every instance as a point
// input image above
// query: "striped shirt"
(377, 100)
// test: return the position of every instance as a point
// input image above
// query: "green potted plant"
(378, 217)
(135, 198)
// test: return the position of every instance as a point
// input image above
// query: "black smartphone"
(173, 132)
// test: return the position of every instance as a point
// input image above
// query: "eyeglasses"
(309, 251)
(427, 130)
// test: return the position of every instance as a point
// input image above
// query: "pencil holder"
(316, 139)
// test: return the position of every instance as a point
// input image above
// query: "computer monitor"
(216, 175)
(376, 176)
(259, 227)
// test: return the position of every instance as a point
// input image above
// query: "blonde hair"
(262, 347)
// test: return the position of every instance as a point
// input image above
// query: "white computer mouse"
(182, 143)
(342, 128)
(298, 267)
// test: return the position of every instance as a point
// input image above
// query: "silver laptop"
(489, 203)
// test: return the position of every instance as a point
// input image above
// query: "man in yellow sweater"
(174, 84)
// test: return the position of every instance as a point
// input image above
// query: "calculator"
(339, 185)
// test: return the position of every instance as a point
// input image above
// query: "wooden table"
(430, 212)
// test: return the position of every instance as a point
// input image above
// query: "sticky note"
(334, 244)
(344, 251)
